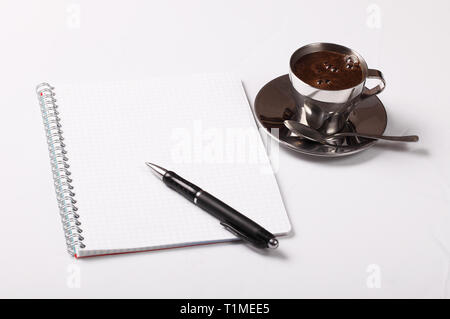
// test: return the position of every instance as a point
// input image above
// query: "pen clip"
(236, 232)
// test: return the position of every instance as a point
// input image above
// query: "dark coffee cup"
(325, 105)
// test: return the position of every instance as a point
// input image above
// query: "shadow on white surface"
(364, 156)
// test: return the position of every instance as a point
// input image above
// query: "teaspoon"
(314, 135)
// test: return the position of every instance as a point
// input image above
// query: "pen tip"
(157, 170)
(273, 243)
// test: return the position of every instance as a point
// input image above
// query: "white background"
(387, 207)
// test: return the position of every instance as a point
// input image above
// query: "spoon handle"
(408, 138)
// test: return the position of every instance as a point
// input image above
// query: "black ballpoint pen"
(230, 218)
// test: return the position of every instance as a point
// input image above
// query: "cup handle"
(374, 74)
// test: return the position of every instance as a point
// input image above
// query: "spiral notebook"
(101, 135)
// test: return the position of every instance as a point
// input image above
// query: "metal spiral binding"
(60, 168)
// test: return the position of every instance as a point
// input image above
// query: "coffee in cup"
(329, 70)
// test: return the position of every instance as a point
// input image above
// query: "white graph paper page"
(198, 126)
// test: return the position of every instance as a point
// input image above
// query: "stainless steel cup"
(328, 110)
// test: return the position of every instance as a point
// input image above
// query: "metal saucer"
(274, 104)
